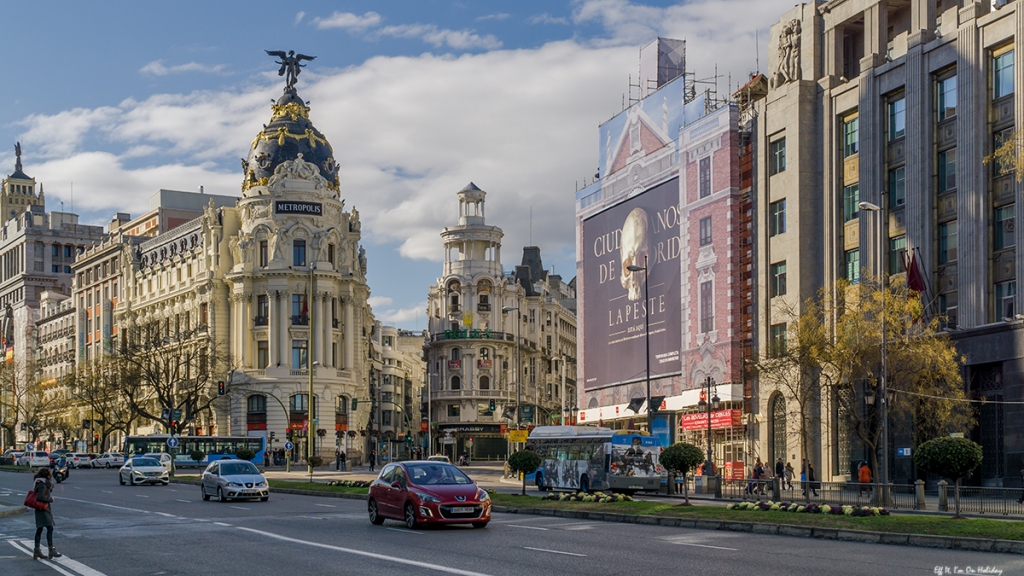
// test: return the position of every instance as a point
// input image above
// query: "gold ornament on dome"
(281, 133)
(293, 110)
(251, 180)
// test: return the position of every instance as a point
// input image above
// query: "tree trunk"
(956, 498)
(524, 483)
(686, 491)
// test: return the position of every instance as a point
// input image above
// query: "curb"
(27, 470)
(6, 511)
(866, 536)
(293, 491)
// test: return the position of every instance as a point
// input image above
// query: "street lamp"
(882, 397)
(519, 384)
(702, 406)
(311, 427)
(647, 340)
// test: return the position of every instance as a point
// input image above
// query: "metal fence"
(980, 500)
(899, 496)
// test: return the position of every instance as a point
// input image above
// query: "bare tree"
(98, 387)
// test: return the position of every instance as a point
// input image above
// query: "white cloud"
(438, 37)
(61, 134)
(546, 18)
(407, 316)
(157, 68)
(299, 16)
(348, 21)
(379, 301)
(499, 16)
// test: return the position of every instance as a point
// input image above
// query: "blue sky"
(417, 97)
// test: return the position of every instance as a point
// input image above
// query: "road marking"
(406, 530)
(327, 505)
(142, 496)
(555, 551)
(166, 514)
(702, 545)
(77, 487)
(77, 566)
(172, 490)
(24, 548)
(107, 505)
(530, 527)
(106, 491)
(238, 507)
(222, 524)
(185, 501)
(386, 558)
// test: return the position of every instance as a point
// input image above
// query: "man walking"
(780, 472)
(373, 459)
(864, 477)
(344, 462)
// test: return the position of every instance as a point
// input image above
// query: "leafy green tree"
(1008, 156)
(198, 455)
(524, 462)
(951, 458)
(680, 458)
(246, 454)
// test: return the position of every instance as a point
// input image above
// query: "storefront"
(479, 441)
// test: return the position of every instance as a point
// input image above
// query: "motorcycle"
(60, 470)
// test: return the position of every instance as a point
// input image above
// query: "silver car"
(142, 470)
(228, 479)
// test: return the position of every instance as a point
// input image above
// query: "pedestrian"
(44, 518)
(1021, 499)
(864, 477)
(810, 479)
(266, 458)
(337, 459)
(760, 471)
(344, 462)
(780, 472)
(373, 459)
(789, 475)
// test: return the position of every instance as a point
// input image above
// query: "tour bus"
(593, 458)
(214, 447)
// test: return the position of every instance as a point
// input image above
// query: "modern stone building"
(895, 104)
(481, 321)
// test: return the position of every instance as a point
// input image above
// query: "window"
(852, 258)
(778, 279)
(1005, 292)
(705, 177)
(456, 383)
(203, 314)
(485, 383)
(299, 253)
(454, 411)
(850, 144)
(1003, 233)
(946, 93)
(67, 251)
(851, 202)
(262, 308)
(777, 339)
(262, 354)
(897, 119)
(897, 187)
(777, 426)
(300, 354)
(777, 218)
(299, 308)
(385, 420)
(256, 404)
(456, 354)
(707, 307)
(947, 308)
(54, 250)
(897, 251)
(998, 139)
(299, 403)
(947, 170)
(1002, 74)
(705, 231)
(947, 242)
(263, 253)
(778, 157)
(330, 253)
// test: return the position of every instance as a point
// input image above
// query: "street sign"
(448, 440)
(518, 435)
(30, 447)
(288, 446)
(903, 451)
(172, 442)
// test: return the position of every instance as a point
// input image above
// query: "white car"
(79, 459)
(142, 470)
(34, 459)
(109, 460)
(162, 457)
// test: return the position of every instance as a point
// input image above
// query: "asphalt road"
(108, 529)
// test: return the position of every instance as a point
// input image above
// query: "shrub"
(198, 455)
(524, 462)
(315, 461)
(951, 458)
(680, 458)
(244, 454)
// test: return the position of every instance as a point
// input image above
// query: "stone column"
(283, 339)
(245, 335)
(350, 351)
(272, 320)
(325, 338)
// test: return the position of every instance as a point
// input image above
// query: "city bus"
(214, 447)
(592, 458)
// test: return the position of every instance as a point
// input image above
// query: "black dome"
(288, 134)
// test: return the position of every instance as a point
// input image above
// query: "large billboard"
(644, 226)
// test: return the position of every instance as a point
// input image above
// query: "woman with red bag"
(44, 518)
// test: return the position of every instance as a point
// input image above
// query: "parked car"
(427, 492)
(162, 457)
(232, 479)
(143, 470)
(60, 452)
(10, 457)
(439, 458)
(79, 460)
(109, 460)
(34, 458)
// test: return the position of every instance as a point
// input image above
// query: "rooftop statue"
(291, 65)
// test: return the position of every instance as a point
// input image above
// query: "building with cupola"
(483, 323)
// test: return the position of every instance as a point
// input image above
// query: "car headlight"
(428, 498)
(234, 485)
(483, 496)
(261, 484)
(139, 473)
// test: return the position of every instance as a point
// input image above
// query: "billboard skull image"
(644, 228)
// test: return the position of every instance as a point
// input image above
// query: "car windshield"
(436, 474)
(234, 469)
(144, 462)
(41, 454)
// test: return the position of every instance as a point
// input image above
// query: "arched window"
(777, 427)
(256, 403)
(485, 383)
(456, 354)
(456, 383)
(485, 353)
(300, 403)
(342, 406)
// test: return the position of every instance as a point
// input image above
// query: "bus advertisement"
(589, 458)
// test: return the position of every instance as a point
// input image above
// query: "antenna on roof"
(757, 52)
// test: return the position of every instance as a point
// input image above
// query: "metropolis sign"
(290, 207)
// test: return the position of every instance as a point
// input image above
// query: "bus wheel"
(584, 484)
(540, 482)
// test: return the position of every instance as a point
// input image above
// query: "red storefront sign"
(256, 426)
(341, 427)
(719, 419)
(424, 426)
(734, 470)
(504, 428)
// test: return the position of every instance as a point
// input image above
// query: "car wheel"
(108, 465)
(479, 524)
(410, 516)
(131, 481)
(220, 495)
(206, 496)
(264, 498)
(120, 478)
(375, 517)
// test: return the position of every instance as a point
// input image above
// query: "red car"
(422, 492)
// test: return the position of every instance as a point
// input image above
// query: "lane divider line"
(404, 530)
(24, 548)
(554, 551)
(528, 527)
(702, 545)
(365, 554)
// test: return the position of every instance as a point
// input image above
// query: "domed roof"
(288, 134)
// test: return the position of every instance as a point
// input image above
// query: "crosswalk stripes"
(63, 565)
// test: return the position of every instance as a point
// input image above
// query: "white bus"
(591, 458)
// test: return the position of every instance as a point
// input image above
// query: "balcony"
(300, 320)
(454, 364)
(483, 307)
(259, 321)
(475, 334)
(446, 394)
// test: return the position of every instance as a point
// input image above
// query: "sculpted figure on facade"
(236, 251)
(298, 169)
(362, 259)
(353, 221)
(275, 243)
(788, 66)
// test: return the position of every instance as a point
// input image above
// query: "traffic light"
(272, 434)
(492, 405)
(355, 404)
(288, 433)
(221, 388)
(408, 436)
